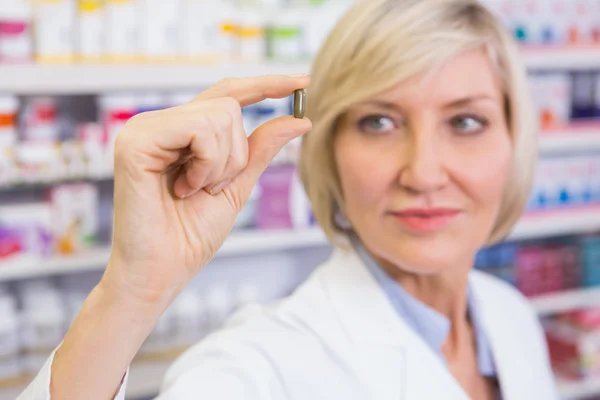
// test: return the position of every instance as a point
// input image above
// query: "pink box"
(273, 211)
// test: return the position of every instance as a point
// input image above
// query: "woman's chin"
(421, 259)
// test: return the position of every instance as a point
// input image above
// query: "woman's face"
(423, 166)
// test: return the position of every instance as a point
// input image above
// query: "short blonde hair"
(380, 43)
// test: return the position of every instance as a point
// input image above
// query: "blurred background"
(73, 72)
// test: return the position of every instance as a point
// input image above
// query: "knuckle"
(232, 105)
(224, 121)
(238, 163)
(123, 143)
(136, 120)
(210, 158)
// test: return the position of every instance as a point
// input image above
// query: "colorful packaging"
(571, 267)
(39, 162)
(55, 30)
(159, 25)
(583, 100)
(554, 100)
(91, 137)
(574, 351)
(590, 260)
(10, 242)
(286, 36)
(541, 270)
(40, 120)
(273, 211)
(251, 37)
(115, 110)
(206, 31)
(9, 107)
(90, 43)
(247, 216)
(75, 216)
(121, 34)
(597, 87)
(15, 32)
(27, 230)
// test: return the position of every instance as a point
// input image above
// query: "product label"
(55, 29)
(91, 29)
(121, 34)
(286, 43)
(15, 41)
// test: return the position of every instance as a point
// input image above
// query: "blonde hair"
(380, 43)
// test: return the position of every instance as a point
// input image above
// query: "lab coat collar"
(381, 338)
(362, 307)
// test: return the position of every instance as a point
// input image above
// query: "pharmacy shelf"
(571, 221)
(569, 300)
(240, 243)
(578, 390)
(99, 78)
(571, 139)
(555, 58)
(144, 381)
(89, 79)
(37, 184)
(537, 225)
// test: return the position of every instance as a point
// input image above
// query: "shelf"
(29, 266)
(37, 184)
(98, 78)
(576, 138)
(553, 223)
(570, 300)
(89, 79)
(145, 379)
(537, 225)
(239, 243)
(552, 58)
(571, 390)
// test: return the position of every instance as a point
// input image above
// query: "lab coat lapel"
(512, 366)
(395, 362)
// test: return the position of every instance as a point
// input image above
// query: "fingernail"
(298, 75)
(188, 194)
(219, 187)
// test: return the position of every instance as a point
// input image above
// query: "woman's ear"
(341, 221)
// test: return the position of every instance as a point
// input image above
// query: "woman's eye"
(377, 124)
(466, 124)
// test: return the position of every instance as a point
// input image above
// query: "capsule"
(299, 103)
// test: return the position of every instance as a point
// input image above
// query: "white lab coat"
(338, 337)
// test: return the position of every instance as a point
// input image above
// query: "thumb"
(263, 145)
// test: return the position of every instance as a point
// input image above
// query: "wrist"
(135, 293)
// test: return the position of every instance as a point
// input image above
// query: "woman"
(422, 152)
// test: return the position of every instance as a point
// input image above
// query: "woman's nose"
(423, 169)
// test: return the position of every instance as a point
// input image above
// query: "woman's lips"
(425, 220)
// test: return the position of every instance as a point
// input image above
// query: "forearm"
(101, 344)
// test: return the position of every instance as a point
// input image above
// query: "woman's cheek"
(366, 175)
(492, 174)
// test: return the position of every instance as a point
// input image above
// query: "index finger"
(254, 89)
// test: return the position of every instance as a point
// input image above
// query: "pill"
(299, 103)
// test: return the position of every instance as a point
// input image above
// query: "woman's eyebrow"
(454, 103)
(388, 105)
(464, 101)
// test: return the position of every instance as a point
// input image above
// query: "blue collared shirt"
(429, 324)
